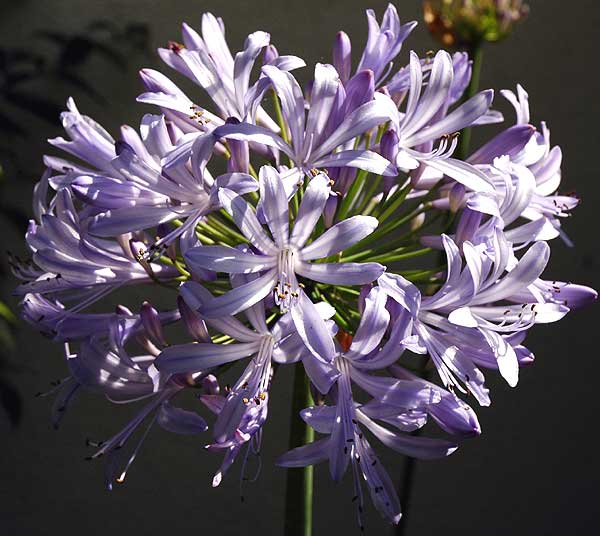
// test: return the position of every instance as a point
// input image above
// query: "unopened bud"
(389, 145)
(456, 197)
(152, 324)
(469, 22)
(417, 222)
(195, 326)
(210, 385)
(342, 56)
(359, 90)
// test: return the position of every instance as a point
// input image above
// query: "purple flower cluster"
(331, 225)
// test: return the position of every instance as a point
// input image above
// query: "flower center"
(286, 288)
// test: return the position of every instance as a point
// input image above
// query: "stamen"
(286, 289)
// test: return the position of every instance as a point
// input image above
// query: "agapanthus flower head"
(332, 228)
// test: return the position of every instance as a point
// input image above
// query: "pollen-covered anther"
(141, 255)
(176, 47)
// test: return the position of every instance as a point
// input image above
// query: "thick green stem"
(299, 487)
(476, 53)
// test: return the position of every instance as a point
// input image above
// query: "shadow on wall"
(51, 59)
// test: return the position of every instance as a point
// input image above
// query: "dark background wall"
(534, 471)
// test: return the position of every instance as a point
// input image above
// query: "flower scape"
(333, 227)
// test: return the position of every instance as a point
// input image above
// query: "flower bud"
(389, 145)
(359, 90)
(342, 56)
(469, 22)
(457, 196)
(152, 324)
(194, 325)
(210, 385)
(455, 416)
(417, 222)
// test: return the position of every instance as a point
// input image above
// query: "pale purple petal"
(243, 63)
(529, 268)
(422, 448)
(227, 259)
(361, 120)
(311, 208)
(292, 102)
(240, 298)
(345, 273)
(246, 220)
(361, 159)
(313, 329)
(455, 121)
(196, 357)
(461, 172)
(180, 421)
(253, 133)
(310, 454)
(402, 291)
(340, 237)
(373, 324)
(274, 205)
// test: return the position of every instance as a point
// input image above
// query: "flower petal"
(373, 323)
(359, 158)
(311, 454)
(310, 210)
(422, 448)
(195, 296)
(528, 269)
(196, 357)
(243, 63)
(292, 102)
(240, 298)
(461, 172)
(340, 237)
(344, 273)
(274, 205)
(464, 116)
(246, 220)
(180, 421)
(364, 118)
(312, 329)
(402, 291)
(253, 133)
(227, 259)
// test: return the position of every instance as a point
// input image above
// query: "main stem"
(299, 486)
(476, 53)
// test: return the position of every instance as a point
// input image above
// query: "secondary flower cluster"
(285, 227)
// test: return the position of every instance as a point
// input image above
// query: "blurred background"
(535, 469)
